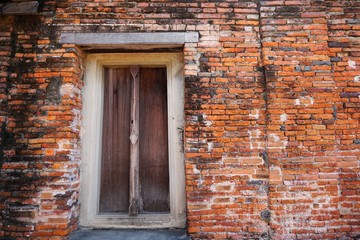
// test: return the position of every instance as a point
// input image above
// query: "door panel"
(154, 167)
(153, 141)
(114, 188)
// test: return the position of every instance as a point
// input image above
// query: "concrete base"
(130, 234)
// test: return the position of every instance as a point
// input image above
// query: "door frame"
(91, 138)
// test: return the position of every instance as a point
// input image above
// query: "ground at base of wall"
(130, 234)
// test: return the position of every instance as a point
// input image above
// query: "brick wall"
(313, 97)
(41, 116)
(272, 133)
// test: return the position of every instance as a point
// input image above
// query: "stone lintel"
(113, 39)
(19, 8)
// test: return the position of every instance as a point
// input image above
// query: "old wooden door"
(153, 168)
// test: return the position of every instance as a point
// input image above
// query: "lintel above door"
(19, 7)
(138, 40)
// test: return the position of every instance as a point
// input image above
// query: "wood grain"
(115, 164)
(154, 167)
(134, 143)
(134, 167)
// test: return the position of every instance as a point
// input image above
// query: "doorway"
(108, 143)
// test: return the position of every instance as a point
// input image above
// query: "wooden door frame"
(92, 132)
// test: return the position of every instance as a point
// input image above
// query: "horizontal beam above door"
(113, 39)
(19, 8)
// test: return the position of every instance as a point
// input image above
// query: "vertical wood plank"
(114, 182)
(154, 167)
(134, 140)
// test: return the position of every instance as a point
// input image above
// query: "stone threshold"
(130, 234)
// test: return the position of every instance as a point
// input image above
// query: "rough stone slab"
(21, 8)
(128, 234)
(169, 38)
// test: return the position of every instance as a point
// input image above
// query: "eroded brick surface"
(272, 133)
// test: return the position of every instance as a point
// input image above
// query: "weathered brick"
(271, 105)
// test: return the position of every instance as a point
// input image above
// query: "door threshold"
(130, 234)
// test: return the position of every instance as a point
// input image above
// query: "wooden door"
(115, 162)
(153, 166)
(153, 141)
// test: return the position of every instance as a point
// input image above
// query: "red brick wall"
(272, 133)
(313, 107)
(40, 116)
